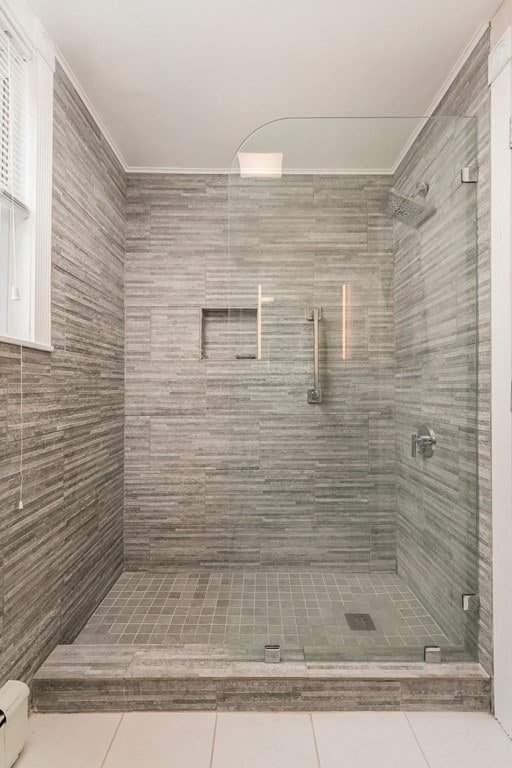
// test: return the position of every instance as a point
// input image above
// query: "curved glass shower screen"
(350, 339)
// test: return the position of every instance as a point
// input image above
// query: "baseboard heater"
(13, 721)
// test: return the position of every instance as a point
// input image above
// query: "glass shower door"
(320, 418)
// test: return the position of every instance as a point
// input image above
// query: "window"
(26, 115)
(14, 202)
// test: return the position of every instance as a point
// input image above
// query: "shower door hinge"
(272, 654)
(470, 603)
(432, 654)
(469, 174)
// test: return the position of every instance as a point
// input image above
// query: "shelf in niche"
(228, 333)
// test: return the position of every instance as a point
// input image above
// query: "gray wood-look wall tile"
(437, 365)
(64, 550)
(226, 462)
(103, 678)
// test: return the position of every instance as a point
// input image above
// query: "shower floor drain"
(361, 621)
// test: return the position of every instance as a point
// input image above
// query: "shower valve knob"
(423, 441)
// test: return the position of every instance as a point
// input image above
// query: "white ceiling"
(334, 145)
(181, 83)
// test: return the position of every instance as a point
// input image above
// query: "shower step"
(107, 678)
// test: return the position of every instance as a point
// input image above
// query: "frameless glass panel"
(351, 325)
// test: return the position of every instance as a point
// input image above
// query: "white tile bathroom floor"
(266, 740)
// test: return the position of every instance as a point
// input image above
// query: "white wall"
(500, 80)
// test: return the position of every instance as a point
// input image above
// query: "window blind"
(13, 123)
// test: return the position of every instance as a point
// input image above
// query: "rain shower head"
(407, 210)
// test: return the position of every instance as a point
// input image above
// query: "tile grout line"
(213, 739)
(417, 740)
(314, 739)
(112, 740)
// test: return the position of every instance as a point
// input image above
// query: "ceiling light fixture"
(265, 165)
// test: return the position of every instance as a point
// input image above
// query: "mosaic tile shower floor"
(302, 611)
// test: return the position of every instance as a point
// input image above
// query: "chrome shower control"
(315, 394)
(423, 441)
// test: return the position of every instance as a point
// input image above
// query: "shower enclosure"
(301, 407)
(346, 351)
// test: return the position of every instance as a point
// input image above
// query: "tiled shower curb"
(129, 678)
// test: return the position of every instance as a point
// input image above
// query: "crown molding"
(135, 169)
(443, 90)
(91, 109)
(147, 170)
(337, 172)
(422, 121)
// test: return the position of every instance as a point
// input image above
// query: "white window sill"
(29, 344)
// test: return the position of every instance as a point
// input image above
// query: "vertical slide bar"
(315, 394)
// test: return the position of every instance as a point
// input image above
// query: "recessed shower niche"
(227, 333)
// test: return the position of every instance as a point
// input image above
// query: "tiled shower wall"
(436, 375)
(437, 368)
(226, 462)
(62, 552)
